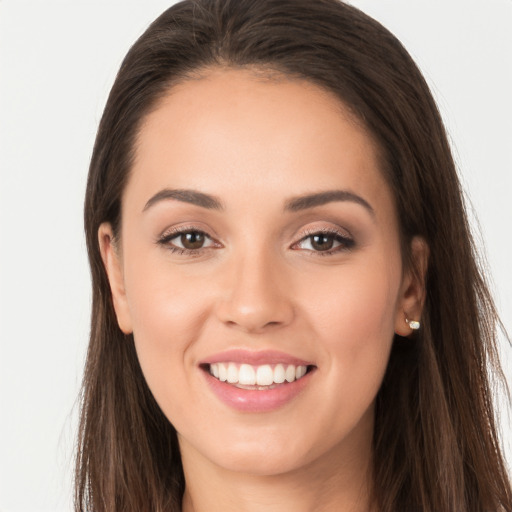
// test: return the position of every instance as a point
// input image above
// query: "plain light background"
(58, 60)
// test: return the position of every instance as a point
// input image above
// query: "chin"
(261, 464)
(262, 455)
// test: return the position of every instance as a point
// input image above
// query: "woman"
(287, 311)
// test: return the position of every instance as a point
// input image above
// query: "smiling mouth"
(257, 377)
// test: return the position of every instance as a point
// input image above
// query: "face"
(259, 270)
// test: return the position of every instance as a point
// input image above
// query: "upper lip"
(255, 357)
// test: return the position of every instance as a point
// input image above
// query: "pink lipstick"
(256, 381)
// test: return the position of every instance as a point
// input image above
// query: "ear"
(412, 291)
(113, 266)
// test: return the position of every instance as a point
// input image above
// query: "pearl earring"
(413, 324)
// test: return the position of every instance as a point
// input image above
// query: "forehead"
(241, 132)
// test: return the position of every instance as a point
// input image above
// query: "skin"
(260, 284)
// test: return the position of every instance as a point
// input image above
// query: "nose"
(257, 295)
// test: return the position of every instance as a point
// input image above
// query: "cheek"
(352, 313)
(168, 312)
(358, 300)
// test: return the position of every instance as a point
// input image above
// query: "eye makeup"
(324, 241)
(187, 240)
(192, 241)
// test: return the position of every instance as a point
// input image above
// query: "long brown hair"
(436, 446)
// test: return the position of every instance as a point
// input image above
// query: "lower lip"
(253, 400)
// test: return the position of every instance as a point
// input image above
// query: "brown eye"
(328, 243)
(192, 240)
(322, 242)
(187, 241)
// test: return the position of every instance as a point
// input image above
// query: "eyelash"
(346, 243)
(167, 237)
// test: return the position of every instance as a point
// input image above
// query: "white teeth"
(264, 375)
(300, 371)
(290, 373)
(247, 375)
(223, 372)
(232, 373)
(279, 374)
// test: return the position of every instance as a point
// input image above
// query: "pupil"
(192, 240)
(322, 242)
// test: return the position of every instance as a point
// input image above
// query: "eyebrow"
(318, 199)
(186, 196)
(294, 204)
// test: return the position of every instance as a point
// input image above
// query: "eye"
(190, 240)
(325, 242)
(187, 240)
